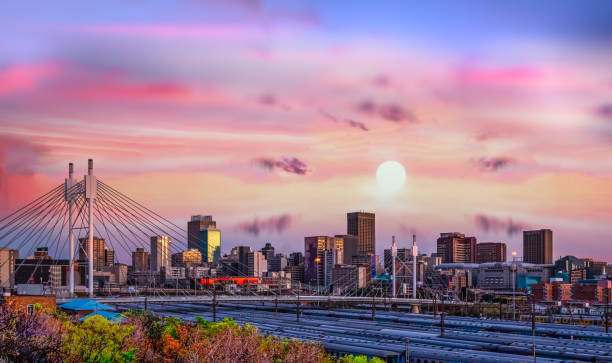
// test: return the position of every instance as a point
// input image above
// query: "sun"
(391, 175)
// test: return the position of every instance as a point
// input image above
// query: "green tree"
(98, 340)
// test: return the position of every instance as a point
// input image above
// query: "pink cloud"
(25, 76)
(499, 76)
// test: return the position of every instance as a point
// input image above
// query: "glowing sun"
(391, 175)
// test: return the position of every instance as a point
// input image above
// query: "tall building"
(295, 259)
(202, 234)
(140, 260)
(268, 250)
(241, 267)
(187, 259)
(161, 247)
(349, 246)
(490, 252)
(257, 264)
(277, 263)
(102, 255)
(314, 248)
(210, 245)
(7, 267)
(538, 246)
(362, 225)
(455, 247)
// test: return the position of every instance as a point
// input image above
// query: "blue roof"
(85, 304)
(108, 315)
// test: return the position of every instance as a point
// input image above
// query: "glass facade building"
(210, 244)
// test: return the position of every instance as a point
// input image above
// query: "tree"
(36, 337)
(98, 340)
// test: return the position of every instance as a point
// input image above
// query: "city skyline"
(502, 122)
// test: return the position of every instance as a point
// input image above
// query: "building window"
(30, 309)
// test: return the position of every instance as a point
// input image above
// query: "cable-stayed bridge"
(72, 218)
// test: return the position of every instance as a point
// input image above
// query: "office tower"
(490, 252)
(102, 255)
(329, 261)
(455, 247)
(295, 259)
(210, 245)
(297, 273)
(241, 267)
(187, 259)
(349, 247)
(277, 263)
(538, 246)
(257, 264)
(202, 234)
(361, 224)
(314, 248)
(268, 250)
(7, 267)
(160, 252)
(140, 260)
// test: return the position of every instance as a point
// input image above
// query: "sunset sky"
(273, 116)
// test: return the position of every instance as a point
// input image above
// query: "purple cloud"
(494, 164)
(289, 165)
(390, 112)
(272, 224)
(267, 100)
(350, 122)
(488, 223)
(604, 111)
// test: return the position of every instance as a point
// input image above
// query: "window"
(30, 309)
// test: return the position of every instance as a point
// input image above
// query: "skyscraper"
(538, 246)
(295, 259)
(314, 249)
(268, 250)
(202, 234)
(160, 252)
(140, 260)
(490, 252)
(257, 264)
(455, 247)
(102, 255)
(349, 247)
(362, 225)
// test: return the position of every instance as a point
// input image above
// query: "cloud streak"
(493, 164)
(494, 224)
(390, 112)
(276, 224)
(350, 122)
(290, 165)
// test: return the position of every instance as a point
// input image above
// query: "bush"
(144, 337)
(37, 337)
(98, 340)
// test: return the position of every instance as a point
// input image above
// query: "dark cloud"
(604, 111)
(272, 224)
(494, 164)
(494, 224)
(350, 122)
(289, 165)
(20, 157)
(390, 112)
(267, 100)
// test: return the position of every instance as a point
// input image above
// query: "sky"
(273, 116)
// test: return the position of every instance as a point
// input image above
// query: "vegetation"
(51, 336)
